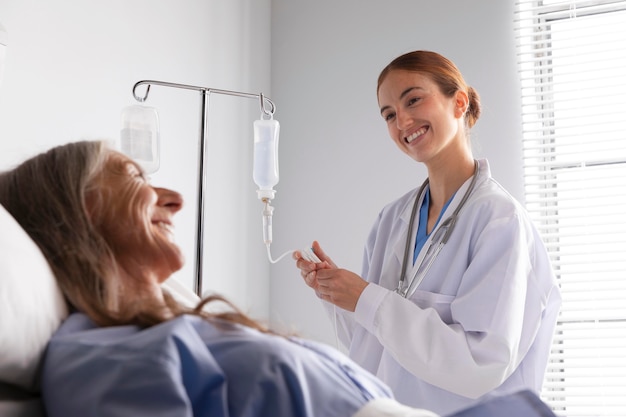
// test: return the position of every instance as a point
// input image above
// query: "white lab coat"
(482, 320)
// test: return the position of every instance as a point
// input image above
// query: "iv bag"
(265, 169)
(139, 136)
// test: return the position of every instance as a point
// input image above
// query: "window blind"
(572, 67)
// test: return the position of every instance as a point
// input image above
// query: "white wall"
(70, 69)
(338, 165)
(71, 65)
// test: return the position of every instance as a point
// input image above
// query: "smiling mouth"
(415, 135)
(165, 226)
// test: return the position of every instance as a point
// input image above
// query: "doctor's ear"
(461, 103)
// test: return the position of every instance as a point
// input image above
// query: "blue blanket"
(189, 367)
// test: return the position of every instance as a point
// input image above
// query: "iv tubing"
(269, 254)
(268, 211)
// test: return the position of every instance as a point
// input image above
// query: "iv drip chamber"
(139, 136)
(265, 165)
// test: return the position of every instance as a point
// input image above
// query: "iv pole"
(205, 92)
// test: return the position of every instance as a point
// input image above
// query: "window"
(572, 64)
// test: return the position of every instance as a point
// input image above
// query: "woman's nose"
(169, 199)
(403, 119)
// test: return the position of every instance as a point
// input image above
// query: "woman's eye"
(135, 171)
(413, 100)
(143, 177)
(389, 116)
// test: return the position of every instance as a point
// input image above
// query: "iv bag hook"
(265, 112)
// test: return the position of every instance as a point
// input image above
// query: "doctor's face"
(422, 121)
(136, 219)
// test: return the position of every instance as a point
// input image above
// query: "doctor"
(457, 301)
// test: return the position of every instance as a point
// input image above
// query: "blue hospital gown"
(189, 367)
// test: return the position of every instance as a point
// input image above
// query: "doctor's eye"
(413, 100)
(389, 116)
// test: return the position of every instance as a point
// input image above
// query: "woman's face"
(135, 219)
(422, 122)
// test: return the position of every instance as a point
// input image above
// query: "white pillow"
(180, 293)
(31, 305)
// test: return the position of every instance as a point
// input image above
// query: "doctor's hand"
(335, 285)
(308, 269)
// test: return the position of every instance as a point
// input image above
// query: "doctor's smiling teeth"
(415, 135)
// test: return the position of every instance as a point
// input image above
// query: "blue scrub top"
(190, 367)
(421, 236)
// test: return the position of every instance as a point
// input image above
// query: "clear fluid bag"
(139, 136)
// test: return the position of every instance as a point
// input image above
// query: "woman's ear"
(461, 103)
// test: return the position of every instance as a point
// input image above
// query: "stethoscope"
(440, 238)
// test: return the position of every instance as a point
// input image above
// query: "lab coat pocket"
(439, 302)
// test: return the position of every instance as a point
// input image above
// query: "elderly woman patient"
(130, 349)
